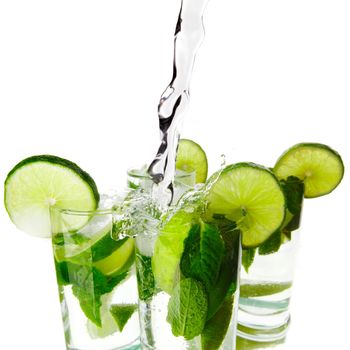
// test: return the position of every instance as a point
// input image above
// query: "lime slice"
(251, 196)
(191, 157)
(37, 183)
(168, 249)
(114, 318)
(108, 255)
(122, 313)
(319, 166)
(120, 260)
(262, 289)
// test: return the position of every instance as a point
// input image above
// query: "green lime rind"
(38, 182)
(320, 167)
(251, 196)
(59, 161)
(191, 157)
(262, 289)
(122, 313)
(120, 260)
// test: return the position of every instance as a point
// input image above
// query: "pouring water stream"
(189, 34)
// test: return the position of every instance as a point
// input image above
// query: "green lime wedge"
(38, 182)
(122, 313)
(120, 260)
(319, 166)
(168, 250)
(262, 289)
(251, 196)
(191, 157)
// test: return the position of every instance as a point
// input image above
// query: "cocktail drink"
(188, 279)
(96, 278)
(51, 197)
(306, 170)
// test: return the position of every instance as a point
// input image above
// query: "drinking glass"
(96, 278)
(266, 285)
(187, 274)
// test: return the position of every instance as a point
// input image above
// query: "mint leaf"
(133, 186)
(226, 284)
(293, 189)
(145, 277)
(203, 253)
(216, 328)
(187, 308)
(272, 244)
(90, 303)
(248, 258)
(111, 283)
(62, 273)
(122, 313)
(88, 284)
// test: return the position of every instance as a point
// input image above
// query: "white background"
(82, 79)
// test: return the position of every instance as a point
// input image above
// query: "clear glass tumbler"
(187, 274)
(96, 279)
(266, 282)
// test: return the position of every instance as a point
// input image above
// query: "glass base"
(135, 345)
(263, 328)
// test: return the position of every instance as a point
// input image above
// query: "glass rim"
(135, 173)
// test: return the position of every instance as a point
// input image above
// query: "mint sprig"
(187, 308)
(226, 284)
(88, 285)
(203, 253)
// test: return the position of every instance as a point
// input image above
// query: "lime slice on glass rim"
(251, 196)
(38, 182)
(191, 157)
(317, 165)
